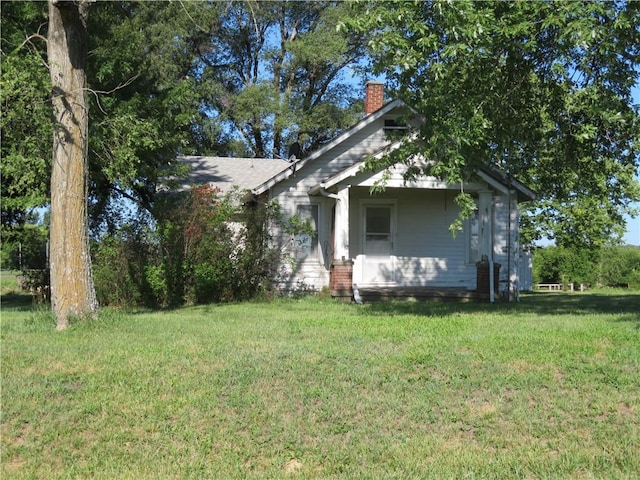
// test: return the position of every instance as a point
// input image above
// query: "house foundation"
(483, 285)
(341, 279)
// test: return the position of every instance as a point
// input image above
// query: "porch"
(419, 294)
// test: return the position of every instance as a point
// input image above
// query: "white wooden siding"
(314, 273)
(425, 253)
(356, 148)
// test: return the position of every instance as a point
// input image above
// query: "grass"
(548, 388)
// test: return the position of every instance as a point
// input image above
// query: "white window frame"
(379, 202)
(301, 250)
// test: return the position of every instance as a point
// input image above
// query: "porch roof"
(491, 176)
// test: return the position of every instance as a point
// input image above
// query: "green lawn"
(549, 388)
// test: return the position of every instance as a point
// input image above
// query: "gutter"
(320, 189)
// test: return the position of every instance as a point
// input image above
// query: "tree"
(145, 101)
(162, 79)
(25, 124)
(72, 289)
(170, 78)
(276, 74)
(540, 90)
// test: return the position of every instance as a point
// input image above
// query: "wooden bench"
(549, 286)
(558, 286)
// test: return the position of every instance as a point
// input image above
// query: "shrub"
(25, 248)
(613, 266)
(202, 247)
(562, 265)
(620, 266)
(121, 264)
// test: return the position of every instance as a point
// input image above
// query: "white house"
(396, 242)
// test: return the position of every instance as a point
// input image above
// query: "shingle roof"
(225, 172)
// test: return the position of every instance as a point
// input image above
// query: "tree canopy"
(277, 72)
(541, 90)
(170, 78)
(25, 124)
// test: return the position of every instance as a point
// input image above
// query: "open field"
(309, 388)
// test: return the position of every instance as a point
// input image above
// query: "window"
(306, 244)
(394, 124)
(377, 235)
(394, 129)
(473, 226)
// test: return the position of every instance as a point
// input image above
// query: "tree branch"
(31, 37)
(202, 29)
(109, 92)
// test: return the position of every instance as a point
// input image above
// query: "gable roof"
(226, 172)
(492, 176)
(332, 144)
(261, 174)
(498, 179)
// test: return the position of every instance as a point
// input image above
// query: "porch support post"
(341, 251)
(341, 282)
(485, 217)
(487, 270)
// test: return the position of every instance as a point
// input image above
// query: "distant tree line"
(613, 266)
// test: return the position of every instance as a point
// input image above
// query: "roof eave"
(336, 141)
(524, 193)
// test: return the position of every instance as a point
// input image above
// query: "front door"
(377, 248)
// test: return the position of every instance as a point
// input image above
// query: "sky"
(632, 237)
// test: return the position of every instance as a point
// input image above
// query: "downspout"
(509, 250)
(492, 287)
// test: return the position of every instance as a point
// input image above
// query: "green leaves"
(25, 124)
(467, 205)
(279, 72)
(540, 90)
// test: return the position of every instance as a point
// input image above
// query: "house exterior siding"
(415, 247)
(424, 253)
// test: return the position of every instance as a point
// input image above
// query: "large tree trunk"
(72, 289)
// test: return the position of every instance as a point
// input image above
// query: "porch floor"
(373, 294)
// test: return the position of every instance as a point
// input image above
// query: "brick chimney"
(374, 91)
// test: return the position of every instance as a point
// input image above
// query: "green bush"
(25, 248)
(615, 266)
(120, 267)
(562, 265)
(620, 266)
(156, 278)
(202, 247)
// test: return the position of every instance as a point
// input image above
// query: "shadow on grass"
(540, 303)
(14, 301)
(576, 303)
